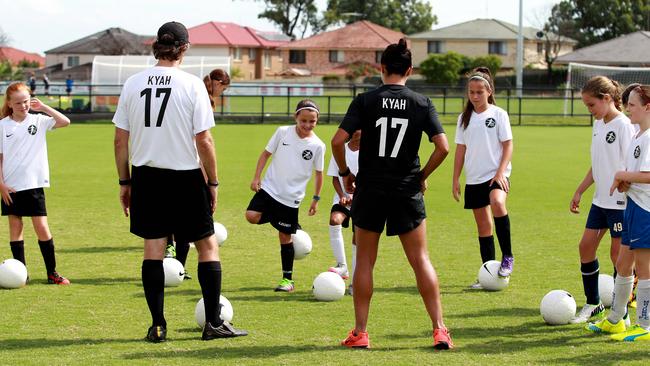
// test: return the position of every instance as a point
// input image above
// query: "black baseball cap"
(176, 30)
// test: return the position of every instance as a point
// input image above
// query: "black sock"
(153, 281)
(287, 253)
(210, 280)
(487, 248)
(615, 273)
(502, 227)
(170, 240)
(182, 249)
(590, 272)
(18, 250)
(47, 250)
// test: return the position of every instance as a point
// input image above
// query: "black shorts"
(166, 202)
(283, 218)
(401, 212)
(30, 202)
(337, 207)
(478, 195)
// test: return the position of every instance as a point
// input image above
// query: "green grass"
(102, 317)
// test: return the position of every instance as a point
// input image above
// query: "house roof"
(234, 35)
(111, 41)
(483, 29)
(632, 49)
(359, 35)
(14, 56)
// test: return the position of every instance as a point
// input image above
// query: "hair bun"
(482, 69)
(401, 44)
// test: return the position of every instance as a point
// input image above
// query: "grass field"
(102, 317)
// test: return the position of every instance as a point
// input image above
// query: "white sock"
(354, 260)
(643, 303)
(336, 241)
(622, 291)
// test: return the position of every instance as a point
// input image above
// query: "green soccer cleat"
(285, 285)
(636, 333)
(170, 251)
(605, 326)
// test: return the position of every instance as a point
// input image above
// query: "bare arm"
(459, 162)
(437, 157)
(256, 184)
(318, 186)
(60, 120)
(586, 183)
(5, 189)
(205, 148)
(121, 147)
(343, 198)
(338, 151)
(506, 156)
(631, 177)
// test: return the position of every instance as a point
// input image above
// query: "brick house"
(14, 56)
(332, 52)
(254, 53)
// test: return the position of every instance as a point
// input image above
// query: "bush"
(491, 62)
(331, 79)
(358, 69)
(442, 68)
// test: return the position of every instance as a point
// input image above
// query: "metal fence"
(269, 102)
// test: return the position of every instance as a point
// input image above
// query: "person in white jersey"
(340, 212)
(163, 123)
(635, 179)
(24, 171)
(297, 151)
(611, 135)
(484, 148)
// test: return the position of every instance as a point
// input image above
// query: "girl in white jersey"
(484, 148)
(341, 205)
(297, 152)
(635, 179)
(24, 171)
(612, 133)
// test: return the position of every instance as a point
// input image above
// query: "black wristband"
(125, 182)
(316, 197)
(213, 184)
(345, 173)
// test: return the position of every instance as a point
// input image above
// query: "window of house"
(267, 59)
(540, 48)
(434, 47)
(337, 56)
(297, 57)
(279, 55)
(252, 54)
(236, 54)
(73, 61)
(497, 48)
(378, 56)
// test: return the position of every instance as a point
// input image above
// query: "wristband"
(316, 197)
(345, 173)
(125, 182)
(213, 184)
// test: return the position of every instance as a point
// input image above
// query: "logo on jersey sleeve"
(32, 129)
(307, 154)
(490, 122)
(610, 137)
(637, 152)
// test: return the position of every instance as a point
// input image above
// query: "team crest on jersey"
(610, 137)
(490, 122)
(637, 152)
(32, 129)
(307, 154)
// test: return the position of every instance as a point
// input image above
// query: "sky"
(40, 25)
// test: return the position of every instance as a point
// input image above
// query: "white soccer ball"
(301, 244)
(226, 311)
(488, 276)
(220, 232)
(174, 272)
(13, 274)
(606, 289)
(328, 286)
(557, 307)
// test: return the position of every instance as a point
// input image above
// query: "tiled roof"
(233, 35)
(15, 55)
(631, 50)
(359, 35)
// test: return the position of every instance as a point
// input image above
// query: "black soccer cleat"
(225, 330)
(156, 334)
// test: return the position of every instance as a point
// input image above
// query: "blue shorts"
(605, 218)
(636, 226)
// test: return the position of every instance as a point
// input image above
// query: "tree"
(442, 68)
(292, 16)
(406, 16)
(4, 38)
(591, 22)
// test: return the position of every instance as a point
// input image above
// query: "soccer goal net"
(110, 72)
(578, 74)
